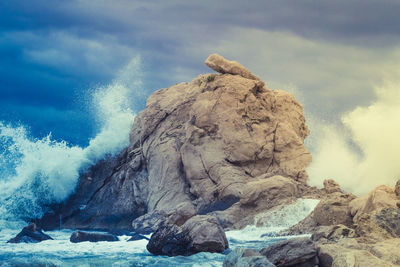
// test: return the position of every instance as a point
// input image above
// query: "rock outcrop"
(201, 233)
(80, 236)
(222, 144)
(30, 234)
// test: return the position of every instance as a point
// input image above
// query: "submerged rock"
(201, 233)
(30, 234)
(80, 236)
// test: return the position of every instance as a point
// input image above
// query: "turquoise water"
(61, 252)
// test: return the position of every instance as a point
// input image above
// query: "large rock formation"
(221, 141)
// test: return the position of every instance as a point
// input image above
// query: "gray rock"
(243, 257)
(30, 234)
(201, 233)
(80, 236)
(300, 252)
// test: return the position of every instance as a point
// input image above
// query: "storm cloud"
(330, 54)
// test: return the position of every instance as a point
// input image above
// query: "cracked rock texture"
(203, 146)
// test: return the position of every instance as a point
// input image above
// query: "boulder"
(201, 233)
(243, 257)
(222, 65)
(379, 198)
(30, 234)
(334, 210)
(299, 252)
(80, 236)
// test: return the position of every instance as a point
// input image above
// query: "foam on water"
(39, 172)
(268, 224)
(61, 252)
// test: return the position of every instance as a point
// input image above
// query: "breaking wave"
(38, 172)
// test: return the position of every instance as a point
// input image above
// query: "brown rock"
(268, 192)
(222, 65)
(331, 186)
(333, 233)
(381, 197)
(347, 252)
(387, 250)
(293, 252)
(194, 149)
(333, 210)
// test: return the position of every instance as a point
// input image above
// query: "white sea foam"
(38, 172)
(375, 131)
(270, 223)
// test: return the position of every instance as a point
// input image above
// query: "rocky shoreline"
(208, 156)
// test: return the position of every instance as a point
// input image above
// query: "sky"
(330, 54)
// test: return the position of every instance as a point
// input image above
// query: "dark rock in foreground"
(300, 252)
(241, 257)
(30, 234)
(80, 236)
(201, 233)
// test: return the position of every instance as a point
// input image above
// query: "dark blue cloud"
(51, 50)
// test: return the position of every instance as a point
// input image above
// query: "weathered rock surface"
(201, 233)
(299, 252)
(243, 257)
(333, 233)
(349, 252)
(222, 65)
(380, 198)
(80, 236)
(334, 210)
(200, 147)
(30, 234)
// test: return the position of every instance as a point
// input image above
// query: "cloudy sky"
(330, 54)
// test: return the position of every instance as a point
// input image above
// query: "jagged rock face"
(199, 145)
(204, 141)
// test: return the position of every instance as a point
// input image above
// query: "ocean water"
(61, 252)
(35, 173)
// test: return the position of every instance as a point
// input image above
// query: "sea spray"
(375, 130)
(271, 222)
(38, 172)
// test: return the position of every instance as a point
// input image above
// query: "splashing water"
(375, 130)
(38, 172)
(270, 223)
